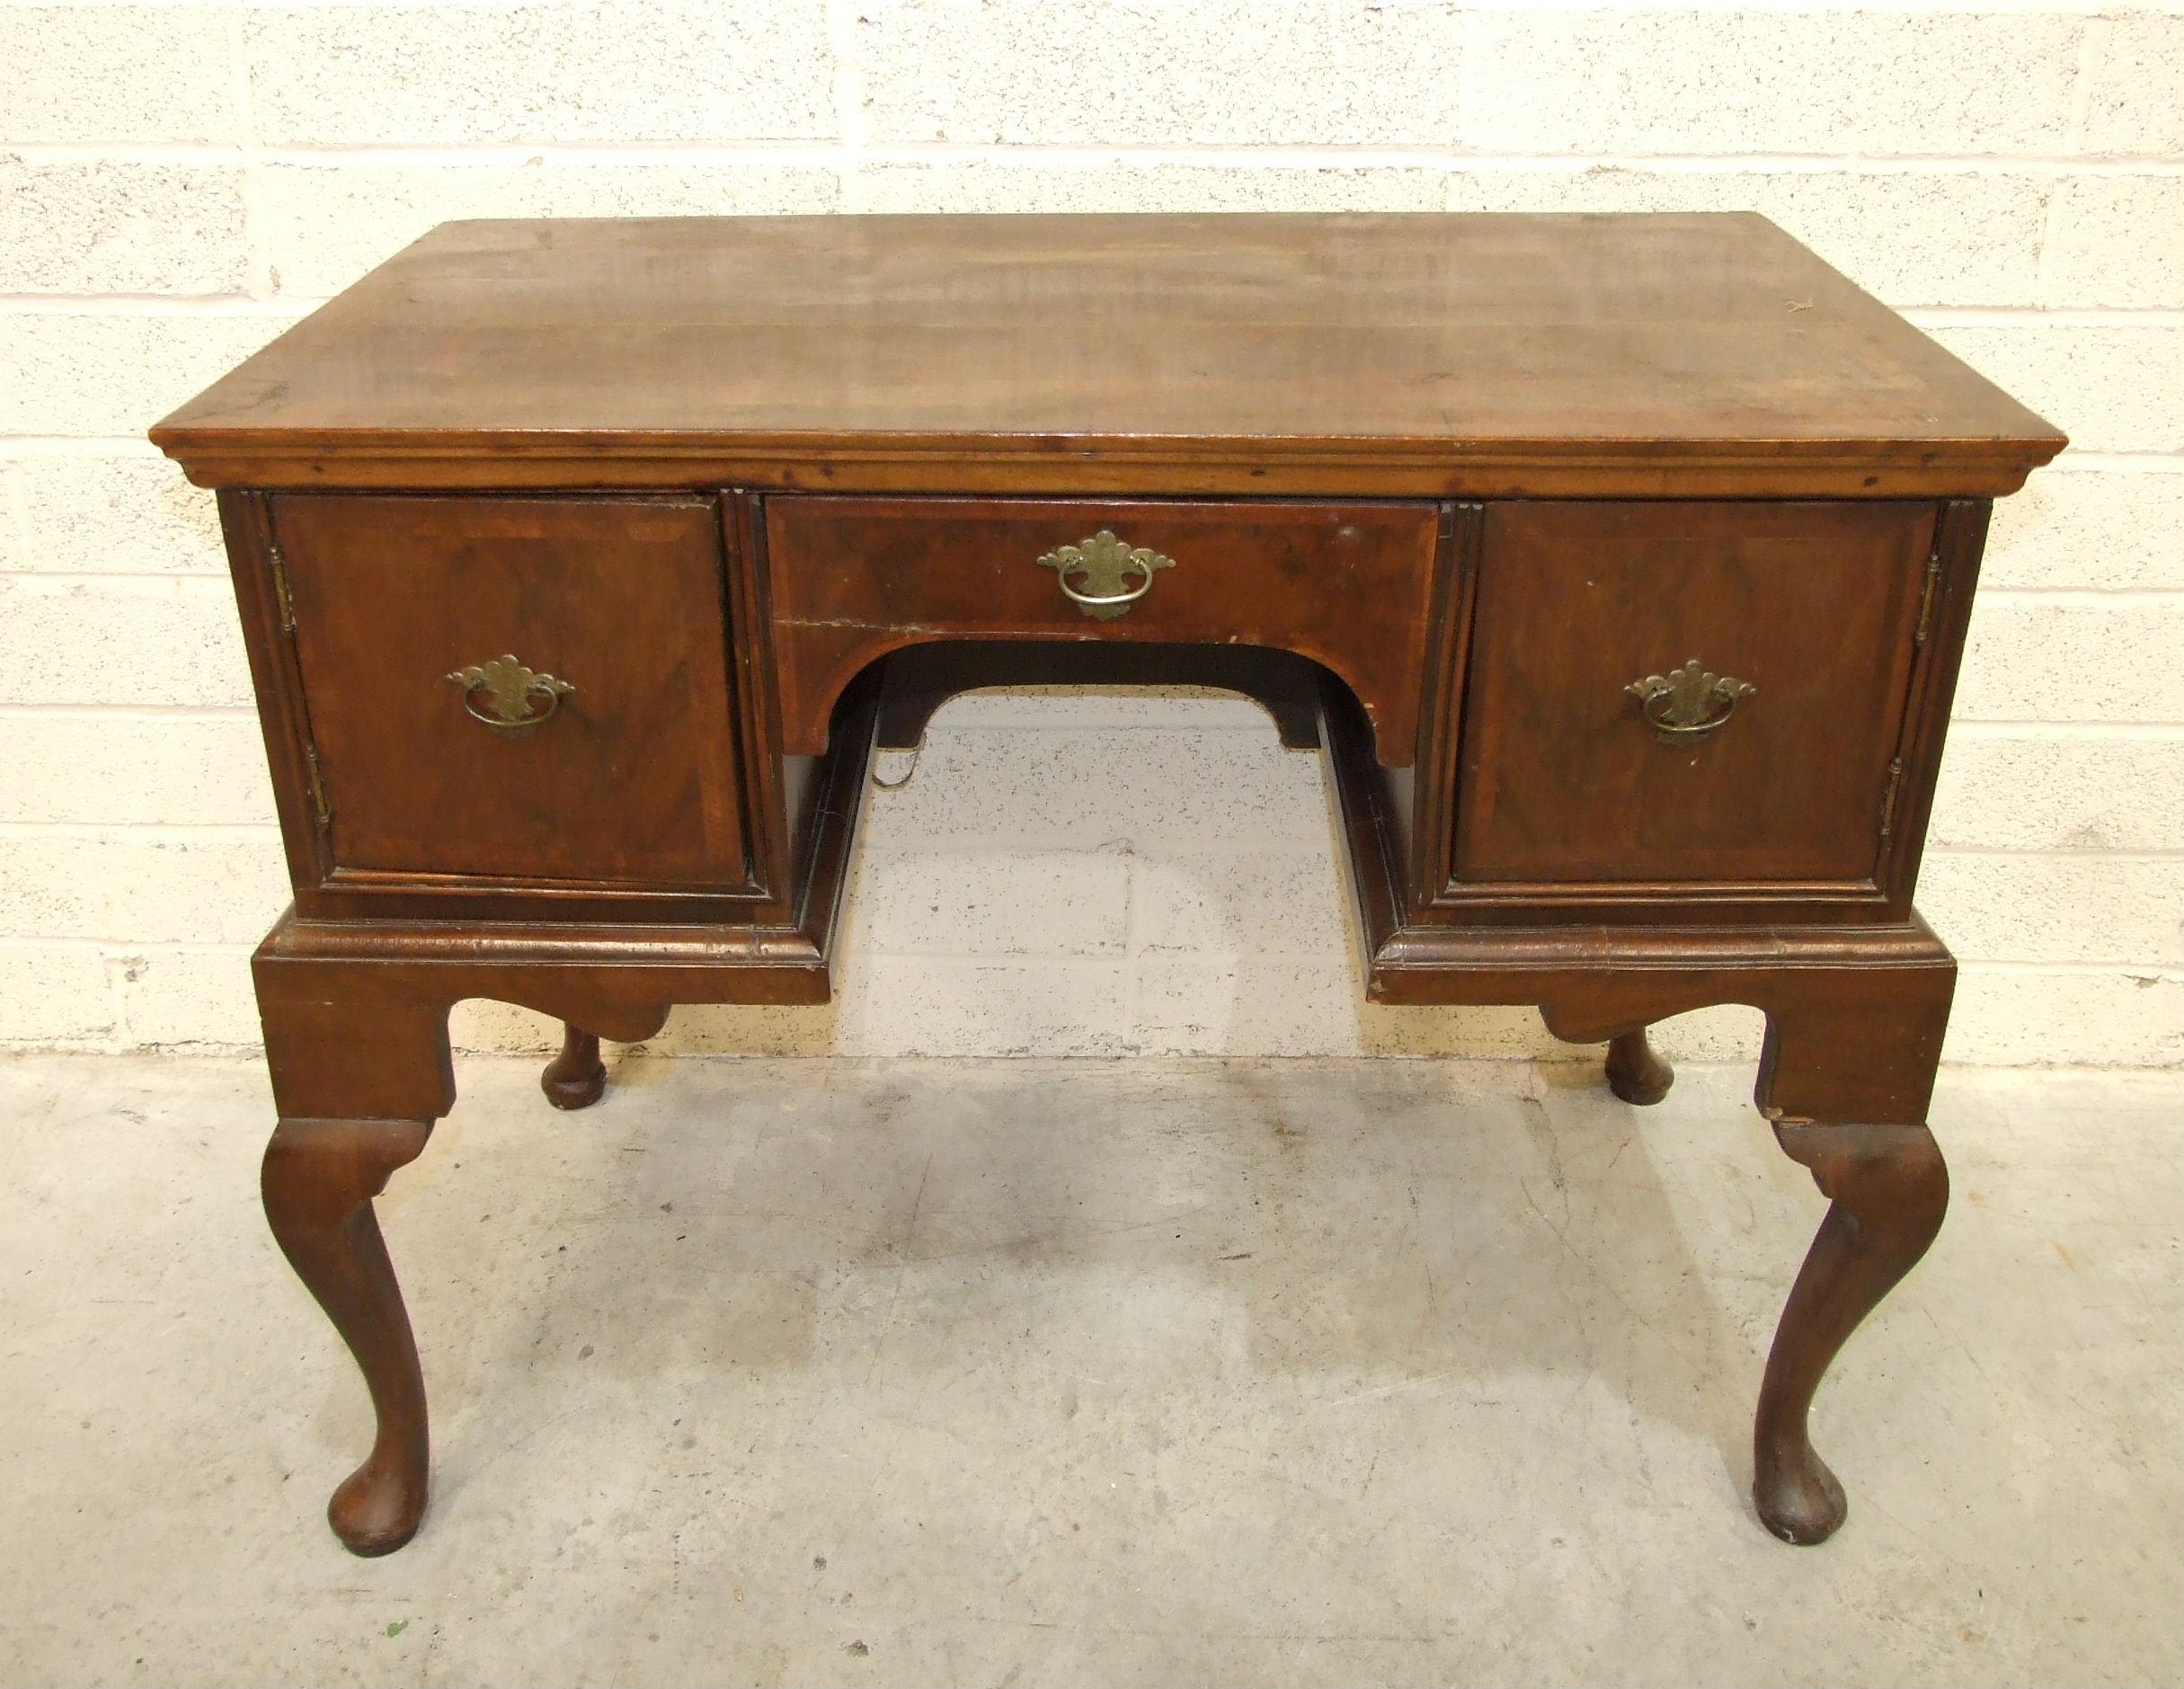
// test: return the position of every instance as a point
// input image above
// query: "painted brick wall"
(180, 182)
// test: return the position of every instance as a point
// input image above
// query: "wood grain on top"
(1422, 353)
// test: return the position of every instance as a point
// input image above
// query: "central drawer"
(1349, 585)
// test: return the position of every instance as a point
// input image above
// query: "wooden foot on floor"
(1635, 1073)
(576, 1078)
(318, 1180)
(1888, 1188)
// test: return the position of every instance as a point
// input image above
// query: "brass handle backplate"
(1103, 563)
(1691, 699)
(517, 698)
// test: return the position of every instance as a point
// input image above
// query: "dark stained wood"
(1672, 437)
(318, 1178)
(246, 526)
(1347, 585)
(629, 781)
(321, 984)
(1561, 781)
(576, 1078)
(1944, 622)
(1855, 1014)
(1640, 356)
(1888, 1188)
(1636, 1070)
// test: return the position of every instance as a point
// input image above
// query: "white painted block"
(45, 891)
(940, 1006)
(2134, 85)
(188, 997)
(1926, 237)
(2027, 1017)
(501, 1029)
(1240, 902)
(14, 524)
(2058, 792)
(983, 902)
(2110, 388)
(740, 1029)
(55, 994)
(1038, 183)
(694, 1029)
(1199, 909)
(2032, 662)
(177, 770)
(189, 888)
(1616, 80)
(116, 514)
(170, 888)
(1486, 1031)
(1158, 72)
(1244, 1006)
(325, 224)
(1101, 788)
(121, 227)
(143, 75)
(92, 643)
(92, 372)
(2099, 530)
(1297, 1006)
(2115, 241)
(2055, 907)
(618, 70)
(1728, 1031)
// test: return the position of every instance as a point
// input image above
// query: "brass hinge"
(1895, 785)
(321, 812)
(281, 592)
(1926, 600)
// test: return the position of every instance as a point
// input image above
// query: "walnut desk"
(1620, 565)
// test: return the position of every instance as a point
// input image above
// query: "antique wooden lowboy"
(1620, 565)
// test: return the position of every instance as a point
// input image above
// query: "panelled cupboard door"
(518, 690)
(1591, 755)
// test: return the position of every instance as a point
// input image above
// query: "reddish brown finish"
(1347, 585)
(1636, 1071)
(274, 640)
(620, 597)
(319, 1178)
(1887, 1189)
(1625, 357)
(1722, 450)
(1561, 781)
(576, 1078)
(1944, 620)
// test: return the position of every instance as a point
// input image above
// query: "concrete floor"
(814, 1373)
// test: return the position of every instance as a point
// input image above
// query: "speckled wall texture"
(1105, 875)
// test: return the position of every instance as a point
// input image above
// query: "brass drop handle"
(1103, 563)
(517, 696)
(1689, 700)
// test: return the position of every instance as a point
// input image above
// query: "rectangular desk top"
(1402, 354)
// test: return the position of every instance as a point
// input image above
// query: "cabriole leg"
(318, 1180)
(576, 1078)
(1636, 1071)
(1887, 1189)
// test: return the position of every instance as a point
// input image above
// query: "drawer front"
(442, 765)
(1587, 764)
(1348, 585)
